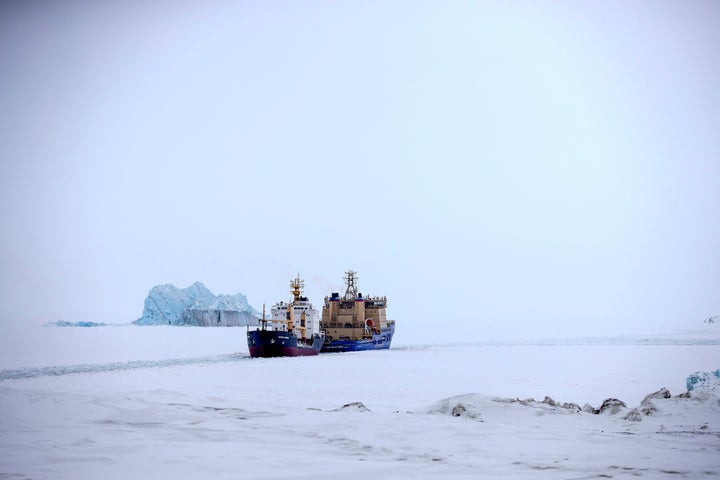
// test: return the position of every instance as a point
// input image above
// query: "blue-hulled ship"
(293, 329)
(353, 323)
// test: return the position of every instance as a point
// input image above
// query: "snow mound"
(611, 406)
(466, 406)
(195, 306)
(649, 404)
(700, 408)
(547, 405)
(475, 406)
(353, 407)
(479, 407)
(704, 382)
(689, 405)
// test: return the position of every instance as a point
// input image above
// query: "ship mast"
(296, 287)
(350, 280)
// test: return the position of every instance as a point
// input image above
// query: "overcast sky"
(490, 165)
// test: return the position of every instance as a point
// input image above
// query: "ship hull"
(272, 343)
(379, 341)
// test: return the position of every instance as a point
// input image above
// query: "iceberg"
(65, 323)
(195, 306)
(704, 381)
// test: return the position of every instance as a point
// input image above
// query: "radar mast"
(296, 287)
(351, 282)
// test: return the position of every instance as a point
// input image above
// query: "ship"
(293, 328)
(353, 323)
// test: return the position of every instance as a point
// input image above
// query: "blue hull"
(379, 341)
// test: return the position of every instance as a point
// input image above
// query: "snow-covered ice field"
(140, 402)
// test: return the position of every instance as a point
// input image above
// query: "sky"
(488, 166)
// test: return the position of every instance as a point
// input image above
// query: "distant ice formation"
(195, 306)
(65, 323)
(704, 381)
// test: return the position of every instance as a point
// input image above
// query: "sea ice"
(187, 403)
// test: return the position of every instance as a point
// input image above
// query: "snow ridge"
(655, 405)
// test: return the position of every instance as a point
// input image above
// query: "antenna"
(350, 280)
(296, 287)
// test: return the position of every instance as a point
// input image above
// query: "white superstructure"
(299, 313)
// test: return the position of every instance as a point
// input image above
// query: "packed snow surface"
(128, 402)
(195, 306)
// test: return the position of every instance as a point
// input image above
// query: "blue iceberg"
(65, 323)
(195, 306)
(704, 382)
